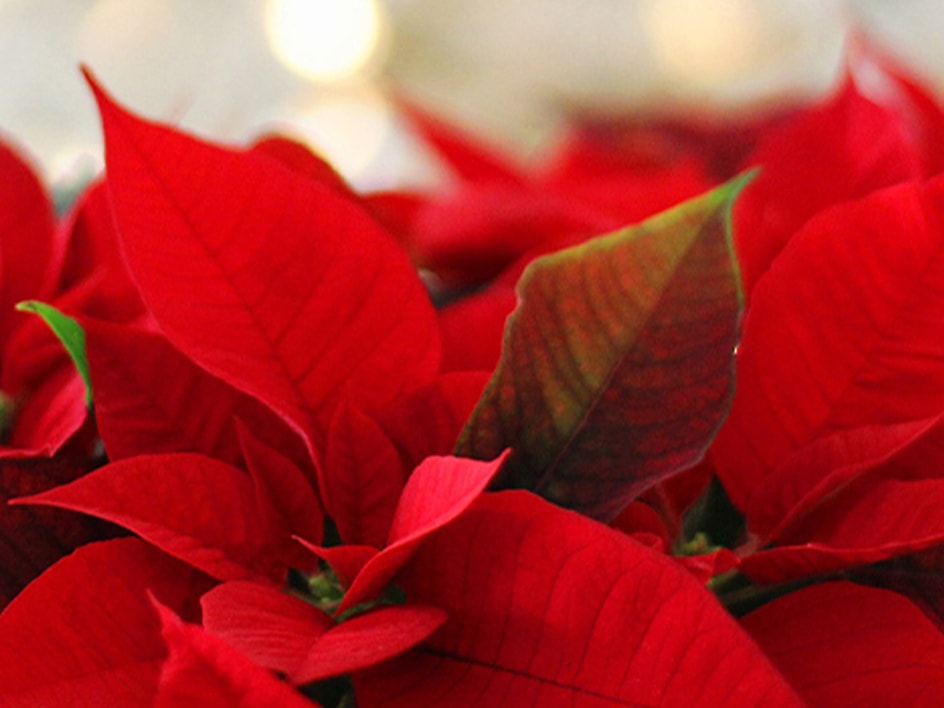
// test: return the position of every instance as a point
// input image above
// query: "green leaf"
(617, 366)
(69, 332)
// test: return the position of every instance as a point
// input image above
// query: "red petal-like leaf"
(617, 367)
(868, 521)
(198, 509)
(150, 398)
(94, 255)
(85, 633)
(265, 623)
(708, 565)
(842, 333)
(345, 561)
(363, 478)
(48, 417)
(468, 158)
(287, 503)
(842, 644)
(298, 158)
(438, 491)
(278, 285)
(202, 670)
(821, 469)
(548, 607)
(31, 255)
(842, 150)
(367, 640)
(473, 235)
(429, 420)
(472, 328)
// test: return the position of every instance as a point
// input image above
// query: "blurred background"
(509, 70)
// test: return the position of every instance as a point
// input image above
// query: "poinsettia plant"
(644, 426)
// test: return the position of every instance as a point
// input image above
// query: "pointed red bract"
(547, 607)
(823, 468)
(472, 328)
(363, 477)
(842, 644)
(869, 521)
(150, 398)
(438, 491)
(278, 285)
(298, 158)
(841, 333)
(94, 258)
(85, 634)
(429, 420)
(202, 670)
(841, 150)
(198, 509)
(471, 160)
(287, 503)
(31, 253)
(51, 414)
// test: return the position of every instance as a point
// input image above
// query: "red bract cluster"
(252, 457)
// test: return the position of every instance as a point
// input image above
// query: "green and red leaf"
(617, 367)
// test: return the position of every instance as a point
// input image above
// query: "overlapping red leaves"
(698, 465)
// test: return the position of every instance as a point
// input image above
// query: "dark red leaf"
(33, 538)
(547, 607)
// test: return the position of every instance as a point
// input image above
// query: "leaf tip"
(105, 102)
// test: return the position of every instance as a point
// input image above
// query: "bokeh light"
(704, 42)
(325, 39)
